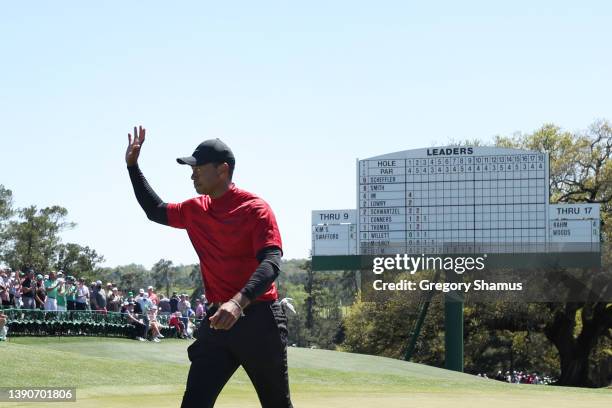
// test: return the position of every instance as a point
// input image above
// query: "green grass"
(126, 373)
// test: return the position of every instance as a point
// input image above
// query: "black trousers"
(257, 342)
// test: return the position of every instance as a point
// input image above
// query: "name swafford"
(450, 151)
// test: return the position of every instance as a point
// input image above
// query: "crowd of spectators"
(520, 377)
(56, 292)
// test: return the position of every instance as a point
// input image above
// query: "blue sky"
(298, 90)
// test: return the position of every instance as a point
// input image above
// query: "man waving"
(238, 243)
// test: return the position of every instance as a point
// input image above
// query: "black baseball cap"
(209, 151)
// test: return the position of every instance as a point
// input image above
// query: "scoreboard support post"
(453, 325)
(453, 335)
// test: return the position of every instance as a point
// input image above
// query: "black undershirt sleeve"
(265, 274)
(150, 202)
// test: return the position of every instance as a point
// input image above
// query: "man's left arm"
(266, 273)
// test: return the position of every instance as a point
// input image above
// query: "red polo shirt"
(227, 233)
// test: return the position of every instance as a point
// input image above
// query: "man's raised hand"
(134, 145)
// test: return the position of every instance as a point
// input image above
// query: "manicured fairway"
(126, 373)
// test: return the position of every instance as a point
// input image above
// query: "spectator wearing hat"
(144, 305)
(92, 296)
(154, 324)
(100, 297)
(82, 295)
(28, 290)
(137, 302)
(114, 300)
(61, 292)
(152, 296)
(184, 305)
(51, 288)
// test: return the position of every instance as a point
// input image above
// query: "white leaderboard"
(454, 199)
(451, 199)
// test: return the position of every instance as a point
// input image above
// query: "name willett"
(477, 285)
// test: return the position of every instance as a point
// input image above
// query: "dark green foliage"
(33, 238)
(77, 260)
(581, 172)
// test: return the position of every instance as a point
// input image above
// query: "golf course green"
(110, 372)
